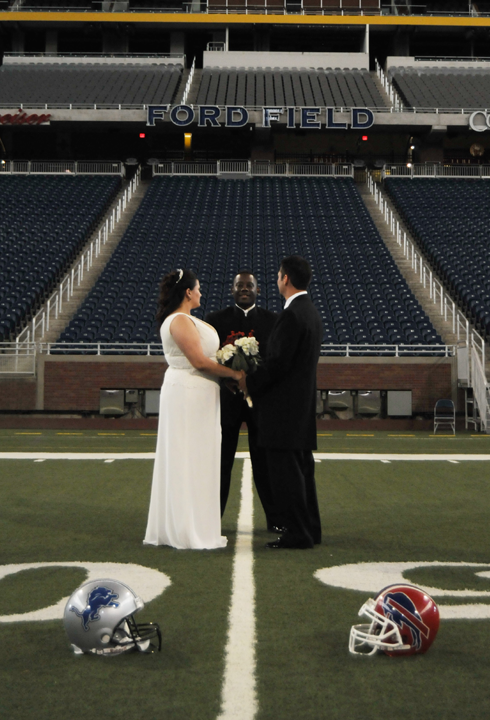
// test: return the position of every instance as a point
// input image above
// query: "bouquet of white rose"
(240, 352)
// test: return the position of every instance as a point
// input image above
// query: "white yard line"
(387, 457)
(75, 456)
(239, 698)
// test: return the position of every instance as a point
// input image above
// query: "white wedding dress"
(185, 494)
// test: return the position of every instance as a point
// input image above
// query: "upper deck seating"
(88, 84)
(217, 227)
(44, 222)
(449, 220)
(296, 87)
(449, 88)
(59, 5)
(157, 5)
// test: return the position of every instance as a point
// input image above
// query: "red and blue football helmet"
(404, 620)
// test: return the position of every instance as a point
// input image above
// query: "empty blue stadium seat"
(449, 219)
(218, 227)
(44, 223)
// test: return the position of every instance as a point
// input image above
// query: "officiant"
(244, 316)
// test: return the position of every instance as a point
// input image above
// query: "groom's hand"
(231, 385)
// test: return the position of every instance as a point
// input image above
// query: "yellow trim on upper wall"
(242, 19)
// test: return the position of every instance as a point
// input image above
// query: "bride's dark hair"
(172, 292)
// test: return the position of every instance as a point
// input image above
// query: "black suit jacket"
(230, 319)
(284, 387)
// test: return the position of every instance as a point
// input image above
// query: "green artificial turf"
(328, 441)
(92, 511)
(373, 512)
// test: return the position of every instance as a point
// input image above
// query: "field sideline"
(290, 613)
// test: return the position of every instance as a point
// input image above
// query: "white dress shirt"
(293, 297)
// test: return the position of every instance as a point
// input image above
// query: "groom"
(284, 390)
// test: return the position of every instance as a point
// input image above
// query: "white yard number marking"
(146, 582)
(371, 578)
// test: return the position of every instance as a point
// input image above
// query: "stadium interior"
(140, 136)
(137, 137)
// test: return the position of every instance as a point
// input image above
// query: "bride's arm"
(186, 336)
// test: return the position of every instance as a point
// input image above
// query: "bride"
(185, 494)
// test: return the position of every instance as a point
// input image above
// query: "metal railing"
(481, 387)
(247, 167)
(251, 108)
(388, 350)
(40, 324)
(17, 359)
(58, 57)
(251, 7)
(28, 106)
(445, 304)
(216, 47)
(20, 357)
(436, 170)
(60, 167)
(100, 348)
(189, 82)
(389, 89)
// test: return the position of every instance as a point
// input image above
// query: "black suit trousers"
(292, 474)
(230, 429)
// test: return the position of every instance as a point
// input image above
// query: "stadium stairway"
(89, 279)
(195, 85)
(443, 327)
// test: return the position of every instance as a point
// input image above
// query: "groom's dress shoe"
(276, 529)
(280, 544)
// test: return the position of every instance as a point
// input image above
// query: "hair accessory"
(181, 272)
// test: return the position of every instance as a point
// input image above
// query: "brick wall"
(74, 385)
(428, 382)
(18, 394)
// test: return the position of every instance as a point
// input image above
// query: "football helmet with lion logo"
(99, 619)
(404, 620)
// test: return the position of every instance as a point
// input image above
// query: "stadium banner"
(235, 116)
(23, 118)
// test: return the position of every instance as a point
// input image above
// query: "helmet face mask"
(99, 619)
(404, 621)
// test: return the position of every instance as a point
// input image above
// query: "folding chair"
(445, 415)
